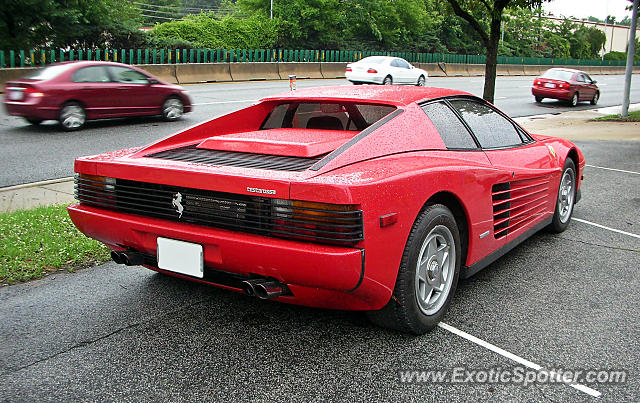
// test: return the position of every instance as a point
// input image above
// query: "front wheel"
(387, 81)
(595, 98)
(172, 109)
(72, 116)
(566, 198)
(428, 274)
(421, 81)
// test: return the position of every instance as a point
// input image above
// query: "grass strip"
(633, 117)
(38, 241)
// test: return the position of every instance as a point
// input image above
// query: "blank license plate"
(180, 257)
(15, 95)
(550, 85)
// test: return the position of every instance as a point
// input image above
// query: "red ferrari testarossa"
(355, 198)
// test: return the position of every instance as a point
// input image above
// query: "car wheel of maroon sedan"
(72, 116)
(428, 274)
(539, 99)
(595, 98)
(172, 109)
(574, 99)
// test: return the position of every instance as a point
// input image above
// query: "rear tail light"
(564, 85)
(349, 69)
(32, 92)
(336, 223)
(372, 71)
(537, 82)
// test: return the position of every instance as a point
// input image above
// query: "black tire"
(403, 312)
(72, 116)
(595, 98)
(33, 121)
(539, 99)
(357, 82)
(561, 218)
(172, 108)
(421, 81)
(387, 81)
(574, 99)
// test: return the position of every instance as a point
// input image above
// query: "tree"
(474, 12)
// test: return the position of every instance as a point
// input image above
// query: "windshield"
(558, 75)
(325, 115)
(48, 72)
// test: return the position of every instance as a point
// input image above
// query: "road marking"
(226, 102)
(613, 169)
(607, 228)
(513, 357)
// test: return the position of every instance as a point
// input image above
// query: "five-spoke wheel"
(172, 109)
(72, 116)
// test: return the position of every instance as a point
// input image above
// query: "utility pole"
(631, 50)
(271, 13)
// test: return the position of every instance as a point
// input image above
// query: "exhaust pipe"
(249, 286)
(268, 290)
(131, 258)
(117, 257)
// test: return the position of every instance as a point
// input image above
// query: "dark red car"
(74, 92)
(567, 85)
(364, 198)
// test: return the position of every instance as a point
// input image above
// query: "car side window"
(491, 129)
(394, 63)
(127, 75)
(581, 78)
(403, 63)
(453, 132)
(93, 74)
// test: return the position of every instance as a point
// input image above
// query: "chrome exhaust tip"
(249, 286)
(117, 257)
(268, 290)
(131, 258)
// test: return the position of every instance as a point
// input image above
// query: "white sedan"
(385, 70)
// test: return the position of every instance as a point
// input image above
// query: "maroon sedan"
(566, 84)
(74, 92)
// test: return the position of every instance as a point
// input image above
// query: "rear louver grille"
(517, 203)
(341, 224)
(237, 159)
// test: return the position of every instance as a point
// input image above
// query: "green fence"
(28, 58)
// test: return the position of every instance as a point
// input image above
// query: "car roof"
(81, 63)
(567, 69)
(386, 94)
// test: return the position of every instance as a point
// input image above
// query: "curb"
(34, 184)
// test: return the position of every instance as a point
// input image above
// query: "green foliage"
(28, 24)
(615, 56)
(35, 242)
(207, 31)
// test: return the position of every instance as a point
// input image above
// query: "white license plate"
(180, 257)
(550, 85)
(15, 95)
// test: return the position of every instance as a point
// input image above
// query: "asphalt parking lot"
(563, 302)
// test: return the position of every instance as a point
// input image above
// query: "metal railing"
(31, 58)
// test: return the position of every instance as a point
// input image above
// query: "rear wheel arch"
(573, 154)
(453, 203)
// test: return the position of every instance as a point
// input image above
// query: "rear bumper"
(555, 93)
(30, 110)
(364, 77)
(318, 275)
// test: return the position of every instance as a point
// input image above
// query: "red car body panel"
(390, 169)
(100, 99)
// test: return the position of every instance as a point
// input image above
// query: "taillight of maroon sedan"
(74, 92)
(567, 85)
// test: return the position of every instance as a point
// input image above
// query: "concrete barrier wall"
(457, 70)
(300, 70)
(502, 70)
(202, 72)
(12, 74)
(254, 71)
(516, 70)
(333, 69)
(165, 72)
(433, 69)
(476, 69)
(532, 70)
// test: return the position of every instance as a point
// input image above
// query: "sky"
(586, 8)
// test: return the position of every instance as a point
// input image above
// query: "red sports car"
(566, 84)
(357, 198)
(74, 92)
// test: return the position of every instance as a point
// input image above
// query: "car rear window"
(48, 72)
(557, 75)
(490, 128)
(453, 132)
(327, 116)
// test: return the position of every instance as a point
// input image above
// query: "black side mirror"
(594, 81)
(153, 81)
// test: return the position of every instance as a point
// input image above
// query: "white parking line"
(607, 228)
(513, 357)
(226, 102)
(613, 169)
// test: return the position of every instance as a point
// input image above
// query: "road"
(29, 154)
